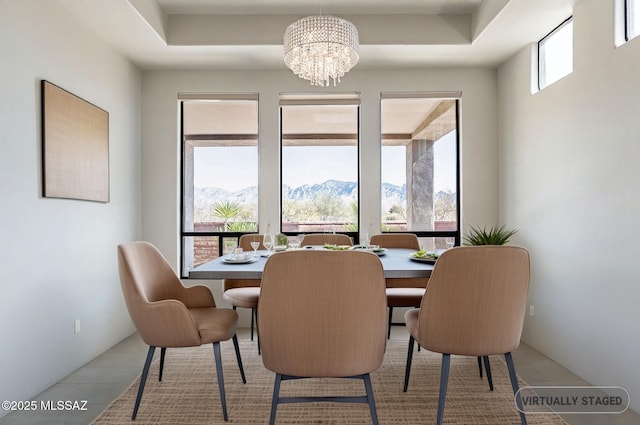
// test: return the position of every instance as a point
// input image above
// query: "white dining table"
(396, 263)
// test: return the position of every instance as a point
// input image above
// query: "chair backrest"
(475, 301)
(396, 240)
(155, 297)
(245, 242)
(326, 238)
(400, 240)
(322, 313)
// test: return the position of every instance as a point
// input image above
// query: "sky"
(325, 163)
(211, 167)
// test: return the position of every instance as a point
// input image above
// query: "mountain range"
(391, 194)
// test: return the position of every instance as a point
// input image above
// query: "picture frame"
(75, 146)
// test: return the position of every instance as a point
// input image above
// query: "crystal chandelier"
(320, 48)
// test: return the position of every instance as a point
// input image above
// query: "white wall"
(569, 181)
(58, 257)
(161, 140)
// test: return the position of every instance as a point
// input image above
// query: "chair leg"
(143, 380)
(370, 399)
(487, 367)
(275, 398)
(257, 332)
(235, 308)
(407, 369)
(480, 365)
(253, 313)
(238, 358)
(218, 359)
(390, 321)
(418, 306)
(163, 350)
(444, 378)
(514, 384)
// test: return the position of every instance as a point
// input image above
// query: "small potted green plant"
(281, 242)
(492, 236)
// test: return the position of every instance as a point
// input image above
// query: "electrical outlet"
(532, 311)
(77, 327)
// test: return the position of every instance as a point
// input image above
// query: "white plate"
(378, 251)
(240, 261)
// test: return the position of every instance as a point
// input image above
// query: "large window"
(555, 54)
(319, 140)
(219, 174)
(419, 167)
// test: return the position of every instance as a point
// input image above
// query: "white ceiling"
(268, 7)
(247, 34)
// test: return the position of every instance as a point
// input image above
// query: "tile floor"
(103, 379)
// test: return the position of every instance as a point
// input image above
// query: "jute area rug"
(188, 393)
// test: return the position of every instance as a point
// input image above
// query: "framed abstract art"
(75, 146)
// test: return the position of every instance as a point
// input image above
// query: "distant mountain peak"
(392, 194)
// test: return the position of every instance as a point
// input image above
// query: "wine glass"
(230, 246)
(365, 240)
(450, 242)
(255, 245)
(268, 242)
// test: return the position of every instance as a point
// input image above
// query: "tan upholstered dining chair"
(474, 306)
(167, 314)
(401, 292)
(244, 293)
(326, 238)
(322, 314)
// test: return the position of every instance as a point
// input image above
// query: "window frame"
(219, 237)
(540, 42)
(456, 234)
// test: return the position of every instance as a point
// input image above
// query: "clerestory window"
(555, 54)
